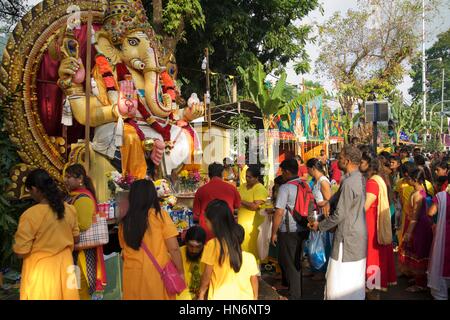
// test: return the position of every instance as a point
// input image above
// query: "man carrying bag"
(290, 226)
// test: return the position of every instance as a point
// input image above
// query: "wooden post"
(66, 145)
(234, 91)
(87, 128)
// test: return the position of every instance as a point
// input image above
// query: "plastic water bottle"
(191, 219)
(314, 217)
(112, 211)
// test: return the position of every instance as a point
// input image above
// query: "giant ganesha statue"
(133, 97)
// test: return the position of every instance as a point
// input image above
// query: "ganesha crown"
(125, 16)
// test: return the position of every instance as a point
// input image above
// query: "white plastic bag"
(264, 235)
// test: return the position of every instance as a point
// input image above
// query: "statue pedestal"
(185, 200)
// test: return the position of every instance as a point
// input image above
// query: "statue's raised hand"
(194, 111)
(194, 108)
(72, 68)
(128, 100)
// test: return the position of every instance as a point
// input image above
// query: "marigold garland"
(106, 72)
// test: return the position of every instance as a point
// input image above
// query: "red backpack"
(304, 202)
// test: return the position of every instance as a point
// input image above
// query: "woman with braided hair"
(45, 239)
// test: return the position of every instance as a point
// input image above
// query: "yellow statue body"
(127, 106)
(42, 59)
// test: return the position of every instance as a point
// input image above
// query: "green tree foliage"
(240, 32)
(10, 12)
(407, 119)
(440, 49)
(242, 126)
(10, 210)
(435, 144)
(171, 17)
(364, 51)
(269, 101)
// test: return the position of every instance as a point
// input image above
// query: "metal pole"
(375, 127)
(424, 115)
(208, 104)
(87, 128)
(442, 101)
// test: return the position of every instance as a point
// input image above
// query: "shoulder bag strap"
(149, 254)
(75, 198)
(288, 210)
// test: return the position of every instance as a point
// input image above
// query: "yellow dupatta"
(384, 228)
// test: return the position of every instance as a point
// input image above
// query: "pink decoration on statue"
(157, 152)
(80, 74)
(128, 102)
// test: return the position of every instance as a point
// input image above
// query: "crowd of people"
(365, 207)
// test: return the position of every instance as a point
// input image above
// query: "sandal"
(416, 288)
(279, 287)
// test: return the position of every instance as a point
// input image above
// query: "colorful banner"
(306, 122)
(335, 127)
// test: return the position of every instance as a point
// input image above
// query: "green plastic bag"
(114, 265)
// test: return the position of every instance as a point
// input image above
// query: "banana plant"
(268, 100)
(407, 118)
(348, 123)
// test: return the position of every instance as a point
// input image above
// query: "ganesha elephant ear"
(104, 45)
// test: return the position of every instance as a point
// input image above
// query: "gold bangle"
(64, 83)
(153, 69)
(150, 120)
(75, 89)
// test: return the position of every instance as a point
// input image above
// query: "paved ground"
(313, 290)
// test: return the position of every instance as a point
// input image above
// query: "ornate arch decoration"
(21, 63)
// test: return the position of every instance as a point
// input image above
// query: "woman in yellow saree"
(44, 239)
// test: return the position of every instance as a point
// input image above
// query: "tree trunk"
(170, 42)
(157, 16)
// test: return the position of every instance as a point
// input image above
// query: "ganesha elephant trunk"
(153, 93)
(137, 64)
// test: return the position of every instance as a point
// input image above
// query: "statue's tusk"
(137, 64)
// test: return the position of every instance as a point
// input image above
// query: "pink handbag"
(172, 281)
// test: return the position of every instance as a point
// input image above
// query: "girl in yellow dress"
(145, 223)
(90, 261)
(45, 239)
(230, 272)
(253, 195)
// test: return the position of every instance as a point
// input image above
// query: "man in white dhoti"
(439, 265)
(347, 266)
